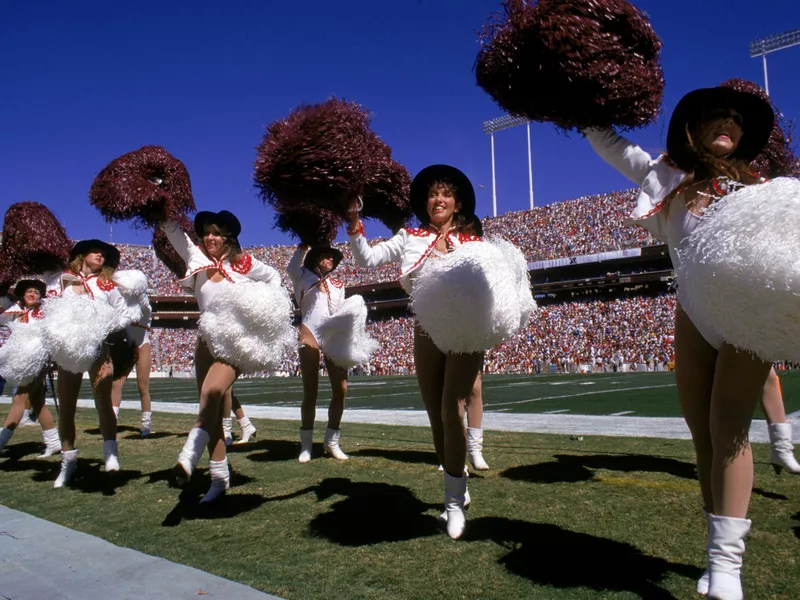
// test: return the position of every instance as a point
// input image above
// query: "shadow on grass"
(797, 529)
(360, 518)
(44, 469)
(17, 451)
(226, 507)
(90, 479)
(120, 429)
(407, 456)
(153, 436)
(550, 555)
(273, 450)
(569, 468)
(769, 495)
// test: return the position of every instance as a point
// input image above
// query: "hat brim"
(110, 254)
(427, 176)
(758, 120)
(24, 285)
(317, 252)
(225, 219)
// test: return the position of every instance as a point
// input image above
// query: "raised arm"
(294, 269)
(625, 156)
(380, 254)
(181, 242)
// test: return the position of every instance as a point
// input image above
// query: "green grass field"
(639, 394)
(554, 519)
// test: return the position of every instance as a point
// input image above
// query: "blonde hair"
(106, 272)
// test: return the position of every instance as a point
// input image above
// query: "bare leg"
(143, 365)
(772, 399)
(219, 378)
(69, 386)
(475, 402)
(101, 376)
(236, 407)
(309, 367)
(37, 397)
(116, 391)
(461, 371)
(430, 365)
(695, 361)
(738, 384)
(338, 377)
(17, 408)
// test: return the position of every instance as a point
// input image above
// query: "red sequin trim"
(243, 265)
(419, 232)
(336, 282)
(106, 286)
(466, 237)
(358, 230)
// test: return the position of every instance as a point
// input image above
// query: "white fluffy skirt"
(476, 297)
(23, 356)
(249, 325)
(74, 328)
(343, 336)
(740, 270)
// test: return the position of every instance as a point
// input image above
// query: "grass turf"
(639, 394)
(553, 519)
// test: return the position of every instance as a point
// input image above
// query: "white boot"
(306, 444)
(247, 430)
(5, 435)
(26, 420)
(331, 444)
(192, 450)
(116, 412)
(725, 552)
(467, 501)
(227, 426)
(147, 423)
(69, 462)
(475, 449)
(220, 480)
(51, 441)
(455, 490)
(781, 450)
(702, 583)
(110, 454)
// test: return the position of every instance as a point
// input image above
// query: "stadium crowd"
(600, 333)
(585, 225)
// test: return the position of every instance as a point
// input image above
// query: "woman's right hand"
(352, 212)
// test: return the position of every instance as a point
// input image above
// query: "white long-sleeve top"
(197, 266)
(409, 247)
(318, 297)
(656, 177)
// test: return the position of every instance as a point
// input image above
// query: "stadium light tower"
(773, 43)
(491, 127)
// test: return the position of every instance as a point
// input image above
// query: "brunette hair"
(462, 223)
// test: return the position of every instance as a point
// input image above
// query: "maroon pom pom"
(778, 158)
(386, 193)
(34, 242)
(166, 253)
(575, 63)
(316, 157)
(147, 186)
(313, 227)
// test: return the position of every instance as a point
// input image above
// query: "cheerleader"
(216, 263)
(138, 334)
(713, 134)
(29, 294)
(318, 295)
(86, 286)
(443, 200)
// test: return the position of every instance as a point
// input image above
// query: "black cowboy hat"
(317, 252)
(223, 219)
(109, 252)
(422, 183)
(24, 285)
(757, 122)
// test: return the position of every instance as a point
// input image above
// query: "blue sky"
(82, 82)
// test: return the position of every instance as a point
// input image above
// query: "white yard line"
(645, 387)
(622, 414)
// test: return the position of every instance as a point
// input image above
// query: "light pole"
(491, 127)
(773, 43)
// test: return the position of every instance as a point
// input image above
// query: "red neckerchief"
(84, 280)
